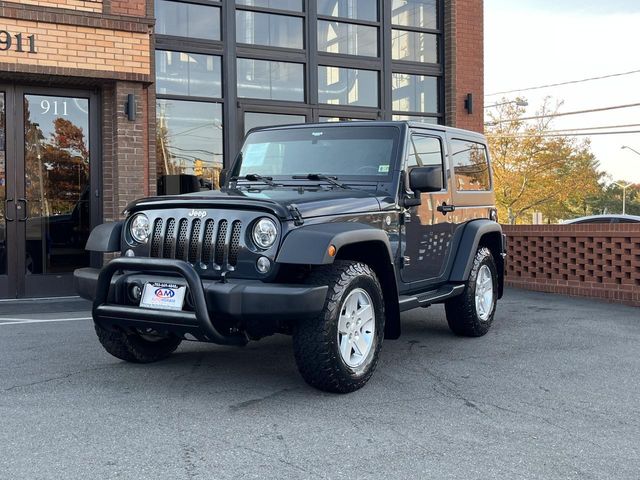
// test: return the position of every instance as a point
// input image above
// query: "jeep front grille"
(210, 241)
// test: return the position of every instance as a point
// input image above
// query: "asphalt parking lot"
(551, 392)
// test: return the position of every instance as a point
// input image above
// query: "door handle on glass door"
(26, 215)
(6, 209)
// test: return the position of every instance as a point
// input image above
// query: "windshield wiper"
(254, 177)
(321, 176)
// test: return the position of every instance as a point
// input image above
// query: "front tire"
(134, 347)
(338, 350)
(471, 314)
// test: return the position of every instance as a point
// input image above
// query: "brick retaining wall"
(598, 260)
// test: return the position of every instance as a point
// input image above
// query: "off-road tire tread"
(311, 340)
(130, 347)
(461, 310)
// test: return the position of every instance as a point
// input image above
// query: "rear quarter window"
(470, 166)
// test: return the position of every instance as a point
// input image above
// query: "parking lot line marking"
(18, 321)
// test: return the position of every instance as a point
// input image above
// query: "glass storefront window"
(416, 118)
(415, 13)
(188, 145)
(270, 80)
(271, 30)
(56, 183)
(192, 74)
(347, 86)
(414, 93)
(347, 38)
(256, 119)
(295, 5)
(354, 9)
(191, 20)
(414, 46)
(342, 119)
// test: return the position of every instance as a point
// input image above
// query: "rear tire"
(133, 347)
(338, 350)
(471, 314)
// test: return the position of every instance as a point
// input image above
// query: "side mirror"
(426, 179)
(223, 177)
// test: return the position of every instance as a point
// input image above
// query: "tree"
(535, 171)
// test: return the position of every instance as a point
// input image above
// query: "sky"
(539, 42)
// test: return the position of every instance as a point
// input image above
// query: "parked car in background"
(604, 219)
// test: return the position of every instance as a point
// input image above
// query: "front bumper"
(212, 307)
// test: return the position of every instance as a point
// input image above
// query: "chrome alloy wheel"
(484, 293)
(356, 327)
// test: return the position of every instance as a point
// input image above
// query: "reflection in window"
(414, 93)
(424, 151)
(414, 46)
(272, 30)
(270, 80)
(347, 39)
(416, 118)
(254, 120)
(346, 86)
(470, 165)
(415, 13)
(187, 20)
(181, 73)
(354, 9)
(188, 145)
(56, 182)
(343, 119)
(295, 5)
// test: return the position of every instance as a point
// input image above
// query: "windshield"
(351, 151)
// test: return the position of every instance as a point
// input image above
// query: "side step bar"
(409, 302)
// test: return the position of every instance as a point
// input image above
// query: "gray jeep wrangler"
(326, 232)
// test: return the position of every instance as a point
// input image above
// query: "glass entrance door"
(48, 210)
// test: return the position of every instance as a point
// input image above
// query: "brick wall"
(464, 62)
(81, 5)
(598, 261)
(80, 47)
(136, 8)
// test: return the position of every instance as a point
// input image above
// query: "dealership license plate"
(163, 296)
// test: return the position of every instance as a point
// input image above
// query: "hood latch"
(295, 214)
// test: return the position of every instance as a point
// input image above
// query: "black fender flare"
(105, 238)
(471, 237)
(309, 245)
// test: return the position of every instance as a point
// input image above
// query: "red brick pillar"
(464, 63)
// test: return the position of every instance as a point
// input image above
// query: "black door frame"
(16, 283)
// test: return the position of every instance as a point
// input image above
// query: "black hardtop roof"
(381, 123)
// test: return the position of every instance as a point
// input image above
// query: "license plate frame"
(163, 296)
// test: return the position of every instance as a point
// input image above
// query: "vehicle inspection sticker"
(163, 296)
(383, 169)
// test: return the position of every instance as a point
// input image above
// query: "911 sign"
(17, 42)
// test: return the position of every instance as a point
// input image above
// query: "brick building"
(104, 101)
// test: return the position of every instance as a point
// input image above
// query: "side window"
(424, 151)
(470, 166)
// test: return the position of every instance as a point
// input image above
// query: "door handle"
(444, 208)
(6, 210)
(26, 215)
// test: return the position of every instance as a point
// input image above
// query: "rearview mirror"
(426, 179)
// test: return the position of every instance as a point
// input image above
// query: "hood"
(309, 202)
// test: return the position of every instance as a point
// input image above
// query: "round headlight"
(265, 233)
(140, 228)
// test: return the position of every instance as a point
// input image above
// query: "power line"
(571, 82)
(565, 114)
(552, 134)
(603, 127)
